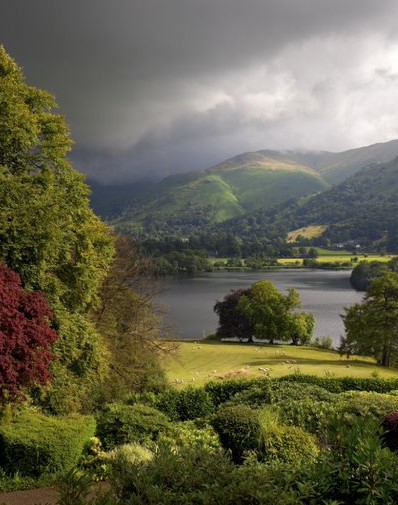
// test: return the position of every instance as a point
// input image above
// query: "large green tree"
(263, 312)
(372, 326)
(274, 315)
(48, 233)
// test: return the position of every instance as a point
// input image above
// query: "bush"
(287, 391)
(307, 414)
(390, 425)
(32, 444)
(188, 476)
(191, 434)
(287, 444)
(341, 384)
(187, 404)
(121, 424)
(221, 392)
(239, 430)
(362, 403)
(255, 396)
(356, 469)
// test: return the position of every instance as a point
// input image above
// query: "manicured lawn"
(198, 362)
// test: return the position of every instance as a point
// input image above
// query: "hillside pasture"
(197, 362)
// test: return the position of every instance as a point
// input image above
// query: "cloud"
(152, 87)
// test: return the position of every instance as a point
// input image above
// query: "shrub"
(191, 434)
(356, 469)
(25, 337)
(286, 391)
(255, 396)
(287, 444)
(32, 444)
(307, 414)
(187, 404)
(221, 392)
(239, 430)
(188, 476)
(341, 384)
(362, 403)
(390, 425)
(121, 424)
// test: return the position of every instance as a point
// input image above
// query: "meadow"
(198, 362)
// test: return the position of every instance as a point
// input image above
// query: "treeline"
(94, 283)
(366, 271)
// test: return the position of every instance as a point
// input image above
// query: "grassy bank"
(198, 362)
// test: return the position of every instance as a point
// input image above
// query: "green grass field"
(198, 362)
(328, 256)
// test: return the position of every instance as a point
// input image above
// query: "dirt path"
(42, 496)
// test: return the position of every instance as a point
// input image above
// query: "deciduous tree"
(48, 233)
(25, 337)
(372, 326)
(232, 323)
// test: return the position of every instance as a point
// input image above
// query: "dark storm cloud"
(153, 86)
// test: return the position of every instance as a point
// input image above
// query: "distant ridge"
(234, 188)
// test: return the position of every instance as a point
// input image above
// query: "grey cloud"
(152, 86)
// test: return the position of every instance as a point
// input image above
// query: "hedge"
(123, 424)
(223, 391)
(33, 444)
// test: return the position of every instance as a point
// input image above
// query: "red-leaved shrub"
(25, 337)
(390, 425)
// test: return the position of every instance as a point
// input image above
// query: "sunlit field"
(196, 363)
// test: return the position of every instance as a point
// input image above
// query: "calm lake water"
(189, 300)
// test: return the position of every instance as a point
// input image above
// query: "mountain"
(363, 208)
(239, 185)
(243, 191)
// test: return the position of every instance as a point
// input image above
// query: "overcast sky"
(162, 86)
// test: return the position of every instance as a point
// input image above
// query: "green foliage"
(191, 434)
(288, 444)
(173, 478)
(32, 444)
(254, 396)
(121, 424)
(221, 392)
(239, 430)
(372, 326)
(48, 233)
(356, 468)
(178, 405)
(340, 384)
(363, 403)
(130, 325)
(310, 415)
(271, 314)
(79, 369)
(363, 274)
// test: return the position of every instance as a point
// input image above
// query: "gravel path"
(42, 496)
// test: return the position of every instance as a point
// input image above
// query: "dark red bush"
(390, 425)
(25, 337)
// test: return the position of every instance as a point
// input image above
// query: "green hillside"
(221, 193)
(363, 208)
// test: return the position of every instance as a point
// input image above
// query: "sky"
(155, 87)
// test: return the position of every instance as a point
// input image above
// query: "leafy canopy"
(265, 313)
(48, 233)
(372, 326)
(25, 337)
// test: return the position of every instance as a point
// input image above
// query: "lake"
(189, 299)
